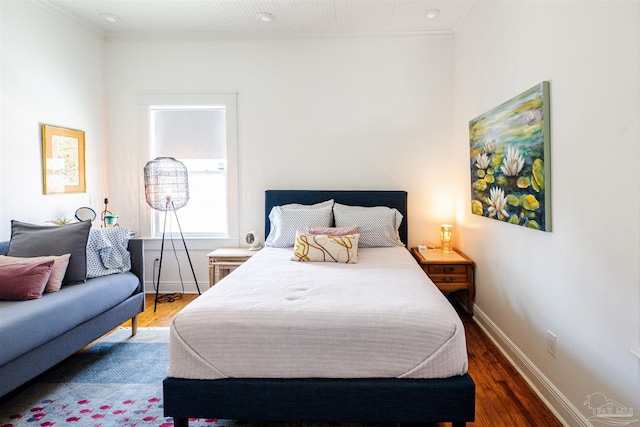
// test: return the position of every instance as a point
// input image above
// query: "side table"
(450, 271)
(223, 261)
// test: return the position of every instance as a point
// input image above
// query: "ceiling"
(240, 17)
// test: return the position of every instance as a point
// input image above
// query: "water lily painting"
(509, 161)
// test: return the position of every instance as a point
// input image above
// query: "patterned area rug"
(116, 382)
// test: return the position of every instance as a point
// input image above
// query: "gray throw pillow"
(30, 240)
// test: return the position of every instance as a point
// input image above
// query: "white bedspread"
(276, 318)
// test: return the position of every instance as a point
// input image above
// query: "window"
(202, 136)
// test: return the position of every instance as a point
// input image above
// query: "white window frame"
(227, 100)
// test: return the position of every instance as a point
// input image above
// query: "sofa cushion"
(19, 282)
(58, 270)
(29, 324)
(29, 240)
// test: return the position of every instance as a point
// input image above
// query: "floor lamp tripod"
(166, 184)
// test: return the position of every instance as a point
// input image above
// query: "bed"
(314, 392)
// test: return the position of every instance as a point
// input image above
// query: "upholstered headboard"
(392, 199)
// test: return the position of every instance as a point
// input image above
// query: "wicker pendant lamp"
(166, 188)
(166, 183)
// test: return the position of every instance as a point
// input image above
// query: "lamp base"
(171, 297)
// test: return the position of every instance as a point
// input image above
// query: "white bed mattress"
(277, 318)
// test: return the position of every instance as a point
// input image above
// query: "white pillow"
(326, 203)
(378, 225)
(287, 219)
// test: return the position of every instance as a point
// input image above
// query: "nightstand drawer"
(448, 278)
(446, 269)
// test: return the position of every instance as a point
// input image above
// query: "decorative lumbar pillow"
(378, 225)
(333, 231)
(29, 240)
(20, 282)
(286, 220)
(58, 270)
(324, 248)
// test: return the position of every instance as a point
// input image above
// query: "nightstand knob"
(448, 269)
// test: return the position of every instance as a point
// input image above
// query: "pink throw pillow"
(19, 282)
(58, 270)
(333, 231)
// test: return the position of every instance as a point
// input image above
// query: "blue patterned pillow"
(107, 251)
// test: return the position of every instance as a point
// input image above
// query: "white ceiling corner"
(227, 18)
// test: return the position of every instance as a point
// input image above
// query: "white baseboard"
(561, 407)
(176, 287)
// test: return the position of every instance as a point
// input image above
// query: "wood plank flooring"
(503, 398)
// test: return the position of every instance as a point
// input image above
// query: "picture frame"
(510, 161)
(63, 160)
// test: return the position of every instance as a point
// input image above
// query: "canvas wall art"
(510, 161)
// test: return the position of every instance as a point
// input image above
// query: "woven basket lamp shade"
(166, 182)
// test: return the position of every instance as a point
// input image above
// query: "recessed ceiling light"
(110, 17)
(265, 16)
(432, 13)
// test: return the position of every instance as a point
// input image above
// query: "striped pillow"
(324, 248)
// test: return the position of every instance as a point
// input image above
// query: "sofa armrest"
(136, 249)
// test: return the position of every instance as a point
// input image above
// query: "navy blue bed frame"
(379, 400)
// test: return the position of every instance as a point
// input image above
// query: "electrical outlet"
(551, 343)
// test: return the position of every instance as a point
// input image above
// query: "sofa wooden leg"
(134, 325)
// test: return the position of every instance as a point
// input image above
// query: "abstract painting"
(510, 161)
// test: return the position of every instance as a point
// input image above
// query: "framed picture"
(510, 161)
(63, 160)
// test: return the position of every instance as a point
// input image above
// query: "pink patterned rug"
(64, 409)
(116, 382)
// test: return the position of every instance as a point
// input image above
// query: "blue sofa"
(37, 334)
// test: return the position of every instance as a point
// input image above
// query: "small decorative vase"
(111, 219)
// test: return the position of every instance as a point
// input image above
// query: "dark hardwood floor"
(503, 398)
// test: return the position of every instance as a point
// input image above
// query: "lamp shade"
(446, 237)
(166, 181)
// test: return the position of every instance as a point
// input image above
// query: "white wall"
(580, 281)
(378, 113)
(51, 73)
(313, 113)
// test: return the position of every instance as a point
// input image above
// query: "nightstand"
(223, 261)
(450, 271)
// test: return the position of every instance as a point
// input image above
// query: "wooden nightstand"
(452, 271)
(223, 261)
